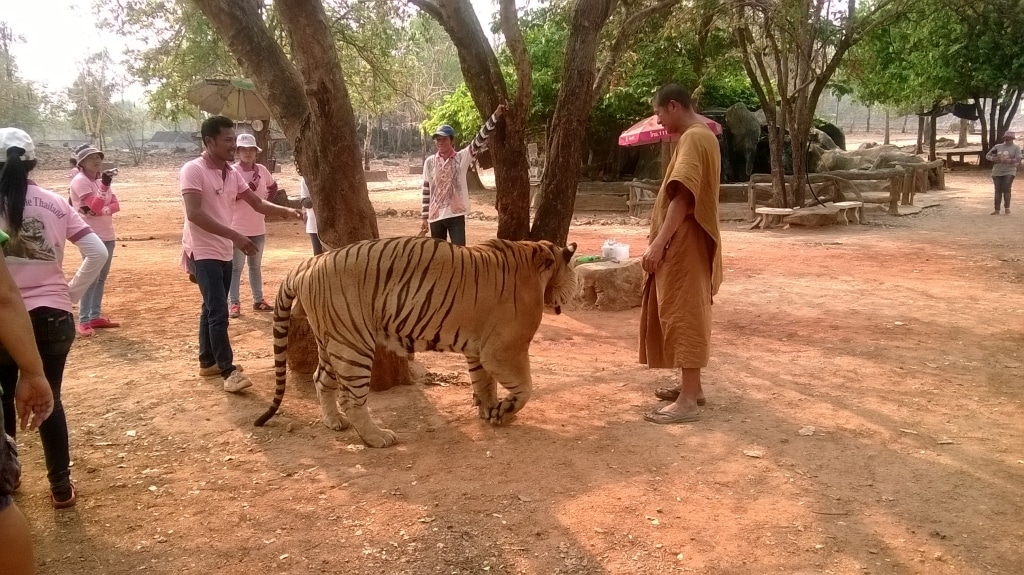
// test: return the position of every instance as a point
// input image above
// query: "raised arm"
(486, 130)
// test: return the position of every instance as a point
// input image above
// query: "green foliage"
(21, 103)
(679, 50)
(458, 111)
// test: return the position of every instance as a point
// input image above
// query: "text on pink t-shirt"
(35, 255)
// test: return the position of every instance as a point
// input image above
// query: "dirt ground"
(900, 342)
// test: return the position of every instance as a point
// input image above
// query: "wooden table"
(960, 153)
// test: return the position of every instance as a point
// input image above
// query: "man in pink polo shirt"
(209, 186)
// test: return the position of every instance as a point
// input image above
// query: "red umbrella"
(648, 131)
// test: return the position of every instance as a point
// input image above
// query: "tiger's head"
(558, 266)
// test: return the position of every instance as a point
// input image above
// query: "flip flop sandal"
(671, 394)
(664, 418)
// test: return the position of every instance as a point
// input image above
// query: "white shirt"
(310, 216)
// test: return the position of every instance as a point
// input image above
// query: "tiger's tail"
(282, 323)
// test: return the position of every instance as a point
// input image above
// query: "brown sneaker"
(65, 501)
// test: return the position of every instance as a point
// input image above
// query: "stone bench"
(766, 214)
(845, 207)
(609, 285)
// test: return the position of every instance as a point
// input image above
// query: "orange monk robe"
(675, 317)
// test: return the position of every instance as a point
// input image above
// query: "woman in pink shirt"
(251, 224)
(92, 197)
(39, 222)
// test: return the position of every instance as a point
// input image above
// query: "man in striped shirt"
(445, 194)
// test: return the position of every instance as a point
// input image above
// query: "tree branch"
(513, 33)
(625, 37)
(430, 9)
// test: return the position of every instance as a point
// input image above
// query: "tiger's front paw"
(502, 413)
(335, 421)
(484, 406)
(379, 438)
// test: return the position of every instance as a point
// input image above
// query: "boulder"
(610, 286)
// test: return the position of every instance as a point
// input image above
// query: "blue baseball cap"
(445, 131)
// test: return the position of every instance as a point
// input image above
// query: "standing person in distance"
(92, 196)
(445, 193)
(209, 186)
(1005, 157)
(39, 222)
(311, 229)
(250, 223)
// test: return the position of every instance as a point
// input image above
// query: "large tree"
(581, 81)
(791, 50)
(21, 103)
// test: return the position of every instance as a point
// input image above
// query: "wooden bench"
(844, 207)
(766, 214)
(641, 197)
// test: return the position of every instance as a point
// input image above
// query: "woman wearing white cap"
(251, 224)
(1005, 157)
(92, 196)
(39, 222)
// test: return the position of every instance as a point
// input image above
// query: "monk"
(684, 259)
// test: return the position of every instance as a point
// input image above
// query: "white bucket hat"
(15, 138)
(247, 141)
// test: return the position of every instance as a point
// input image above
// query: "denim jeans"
(214, 279)
(455, 228)
(91, 305)
(55, 332)
(318, 248)
(1003, 186)
(255, 271)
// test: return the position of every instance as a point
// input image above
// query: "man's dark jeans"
(55, 332)
(455, 228)
(214, 279)
(1003, 186)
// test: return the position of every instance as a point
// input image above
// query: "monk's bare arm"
(682, 204)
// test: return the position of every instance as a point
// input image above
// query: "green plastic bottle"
(588, 259)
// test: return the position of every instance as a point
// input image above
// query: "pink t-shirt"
(92, 193)
(35, 255)
(244, 219)
(219, 188)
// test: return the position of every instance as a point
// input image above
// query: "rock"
(610, 286)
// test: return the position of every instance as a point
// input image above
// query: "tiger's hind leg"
(326, 382)
(512, 370)
(352, 370)
(485, 396)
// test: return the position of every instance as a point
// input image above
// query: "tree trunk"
(569, 122)
(263, 142)
(473, 181)
(886, 126)
(961, 141)
(985, 130)
(310, 100)
(905, 119)
(868, 127)
(932, 138)
(776, 139)
(920, 135)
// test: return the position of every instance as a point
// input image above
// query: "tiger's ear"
(568, 252)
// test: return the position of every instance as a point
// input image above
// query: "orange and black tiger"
(421, 294)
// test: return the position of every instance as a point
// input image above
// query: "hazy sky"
(58, 33)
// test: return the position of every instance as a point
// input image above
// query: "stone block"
(610, 286)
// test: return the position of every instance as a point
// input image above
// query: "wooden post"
(908, 184)
(940, 174)
(895, 185)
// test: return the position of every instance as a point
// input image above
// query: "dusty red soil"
(901, 342)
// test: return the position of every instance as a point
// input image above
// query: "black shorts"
(10, 469)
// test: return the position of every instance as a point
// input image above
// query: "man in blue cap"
(445, 193)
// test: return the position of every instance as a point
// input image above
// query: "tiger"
(421, 294)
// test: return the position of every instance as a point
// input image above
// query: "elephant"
(741, 133)
(833, 132)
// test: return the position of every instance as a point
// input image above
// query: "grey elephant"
(742, 130)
